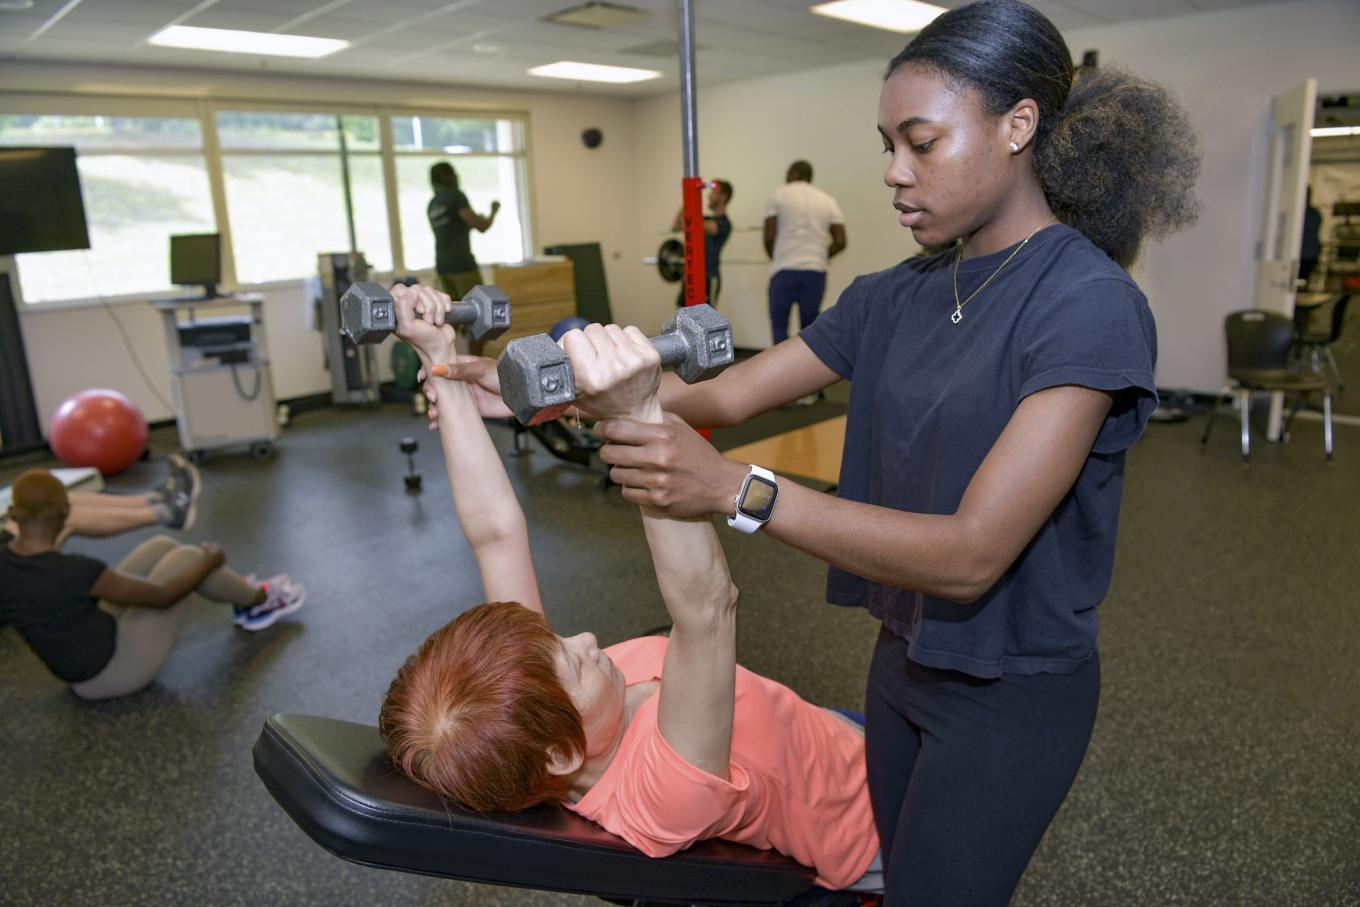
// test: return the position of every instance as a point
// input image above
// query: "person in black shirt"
(453, 220)
(996, 388)
(1310, 248)
(717, 230)
(106, 631)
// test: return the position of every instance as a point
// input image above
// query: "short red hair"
(37, 495)
(473, 713)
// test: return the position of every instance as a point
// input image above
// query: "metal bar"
(344, 181)
(688, 122)
(696, 271)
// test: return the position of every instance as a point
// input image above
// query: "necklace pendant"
(957, 316)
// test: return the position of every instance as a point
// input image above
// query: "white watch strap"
(741, 522)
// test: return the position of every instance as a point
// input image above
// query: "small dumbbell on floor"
(409, 446)
(368, 315)
(538, 385)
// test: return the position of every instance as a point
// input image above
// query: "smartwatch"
(755, 501)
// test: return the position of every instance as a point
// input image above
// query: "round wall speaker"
(592, 137)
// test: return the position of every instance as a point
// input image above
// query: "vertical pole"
(696, 275)
(344, 181)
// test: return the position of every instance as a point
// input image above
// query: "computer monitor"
(196, 260)
(40, 204)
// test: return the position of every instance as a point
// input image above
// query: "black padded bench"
(333, 778)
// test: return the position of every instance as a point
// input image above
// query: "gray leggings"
(145, 635)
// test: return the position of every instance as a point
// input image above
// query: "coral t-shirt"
(796, 783)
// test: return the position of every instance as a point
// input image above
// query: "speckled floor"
(1225, 767)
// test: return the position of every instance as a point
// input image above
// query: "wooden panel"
(541, 294)
(813, 452)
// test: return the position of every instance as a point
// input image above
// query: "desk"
(224, 393)
(811, 452)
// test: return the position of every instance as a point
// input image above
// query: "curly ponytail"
(1120, 163)
(1115, 155)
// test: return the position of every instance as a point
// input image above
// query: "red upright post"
(696, 271)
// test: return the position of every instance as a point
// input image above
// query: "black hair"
(443, 174)
(1116, 155)
(801, 170)
(726, 188)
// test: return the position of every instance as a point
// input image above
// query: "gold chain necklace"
(958, 305)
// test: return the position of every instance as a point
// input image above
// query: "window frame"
(520, 156)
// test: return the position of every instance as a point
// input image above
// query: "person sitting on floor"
(663, 742)
(107, 630)
(96, 514)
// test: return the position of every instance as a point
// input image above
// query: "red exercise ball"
(100, 428)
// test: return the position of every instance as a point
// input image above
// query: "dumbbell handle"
(368, 313)
(672, 347)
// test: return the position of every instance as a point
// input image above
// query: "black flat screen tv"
(40, 203)
(196, 260)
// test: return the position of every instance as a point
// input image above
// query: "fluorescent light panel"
(890, 15)
(233, 41)
(1327, 132)
(592, 72)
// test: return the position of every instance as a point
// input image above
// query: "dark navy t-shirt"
(928, 400)
(714, 242)
(47, 598)
(452, 237)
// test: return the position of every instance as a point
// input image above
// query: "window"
(284, 184)
(142, 178)
(488, 155)
(285, 187)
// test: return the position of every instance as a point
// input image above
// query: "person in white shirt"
(804, 228)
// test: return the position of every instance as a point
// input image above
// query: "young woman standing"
(996, 388)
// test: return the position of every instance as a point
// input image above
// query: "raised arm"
(488, 511)
(476, 221)
(617, 371)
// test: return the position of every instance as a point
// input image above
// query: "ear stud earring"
(1015, 148)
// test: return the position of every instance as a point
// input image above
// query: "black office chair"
(1259, 359)
(1315, 332)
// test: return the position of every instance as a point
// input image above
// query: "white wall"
(577, 195)
(1224, 66)
(749, 133)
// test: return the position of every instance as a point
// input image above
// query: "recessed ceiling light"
(889, 15)
(592, 72)
(1327, 132)
(232, 41)
(15, 6)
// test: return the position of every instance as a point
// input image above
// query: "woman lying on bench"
(662, 742)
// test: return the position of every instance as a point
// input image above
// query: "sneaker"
(282, 596)
(179, 492)
(809, 400)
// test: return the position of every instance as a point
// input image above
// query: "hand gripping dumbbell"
(538, 385)
(368, 315)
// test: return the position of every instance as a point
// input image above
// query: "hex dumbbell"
(537, 382)
(368, 315)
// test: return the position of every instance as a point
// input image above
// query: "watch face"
(757, 498)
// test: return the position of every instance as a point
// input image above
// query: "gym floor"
(1224, 767)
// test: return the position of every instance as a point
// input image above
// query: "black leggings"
(965, 774)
